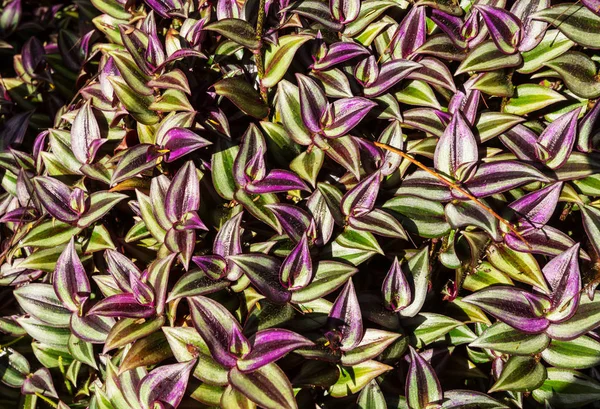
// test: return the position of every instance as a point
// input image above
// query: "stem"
(47, 400)
(14, 341)
(456, 187)
(258, 57)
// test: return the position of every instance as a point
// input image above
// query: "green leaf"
(582, 352)
(503, 338)
(128, 330)
(567, 389)
(14, 367)
(418, 93)
(352, 379)
(530, 97)
(552, 45)
(267, 386)
(50, 233)
(242, 95)
(237, 30)
(99, 240)
(359, 240)
(578, 71)
(423, 217)
(278, 57)
(195, 282)
(371, 397)
(45, 333)
(136, 104)
(374, 342)
(575, 21)
(428, 327)
(519, 266)
(100, 204)
(308, 164)
(520, 374)
(222, 168)
(487, 57)
(328, 277)
(40, 301)
(82, 351)
(490, 124)
(495, 83)
(369, 11)
(288, 108)
(255, 205)
(147, 351)
(171, 100)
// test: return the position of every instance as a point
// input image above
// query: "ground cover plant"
(299, 204)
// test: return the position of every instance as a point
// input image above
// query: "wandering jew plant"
(299, 203)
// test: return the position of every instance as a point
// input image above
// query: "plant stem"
(47, 400)
(456, 187)
(258, 56)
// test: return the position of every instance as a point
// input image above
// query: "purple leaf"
(456, 147)
(588, 129)
(390, 73)
(556, 142)
(361, 198)
(181, 141)
(379, 222)
(340, 52)
(451, 25)
(345, 320)
(121, 268)
(181, 242)
(269, 345)
(423, 389)
(344, 11)
(396, 291)
(536, 208)
(521, 141)
(593, 5)
(122, 305)
(11, 16)
(367, 71)
(294, 221)
(249, 164)
(183, 195)
(263, 272)
(411, 33)
(312, 102)
(501, 176)
(513, 306)
(55, 197)
(466, 103)
(504, 27)
(84, 134)
(165, 384)
(297, 269)
(215, 325)
(547, 240)
(532, 31)
(39, 382)
(136, 160)
(32, 54)
(213, 266)
(347, 113)
(71, 283)
(562, 273)
(277, 181)
(392, 136)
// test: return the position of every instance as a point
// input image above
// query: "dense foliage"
(299, 203)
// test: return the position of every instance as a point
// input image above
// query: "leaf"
(422, 385)
(578, 71)
(40, 301)
(242, 95)
(317, 11)
(165, 384)
(183, 195)
(579, 353)
(138, 105)
(328, 277)
(502, 338)
(556, 142)
(345, 319)
(278, 57)
(313, 102)
(371, 397)
(84, 133)
(520, 374)
(396, 291)
(487, 57)
(410, 35)
(504, 27)
(263, 271)
(513, 306)
(147, 351)
(374, 343)
(270, 345)
(56, 197)
(14, 367)
(575, 21)
(268, 387)
(49, 234)
(390, 74)
(519, 266)
(71, 283)
(129, 330)
(458, 398)
(216, 326)
(456, 147)
(562, 273)
(297, 269)
(222, 168)
(237, 30)
(347, 113)
(289, 108)
(424, 217)
(567, 388)
(134, 161)
(354, 378)
(361, 198)
(340, 52)
(308, 164)
(100, 203)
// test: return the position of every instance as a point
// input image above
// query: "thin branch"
(456, 187)
(258, 56)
